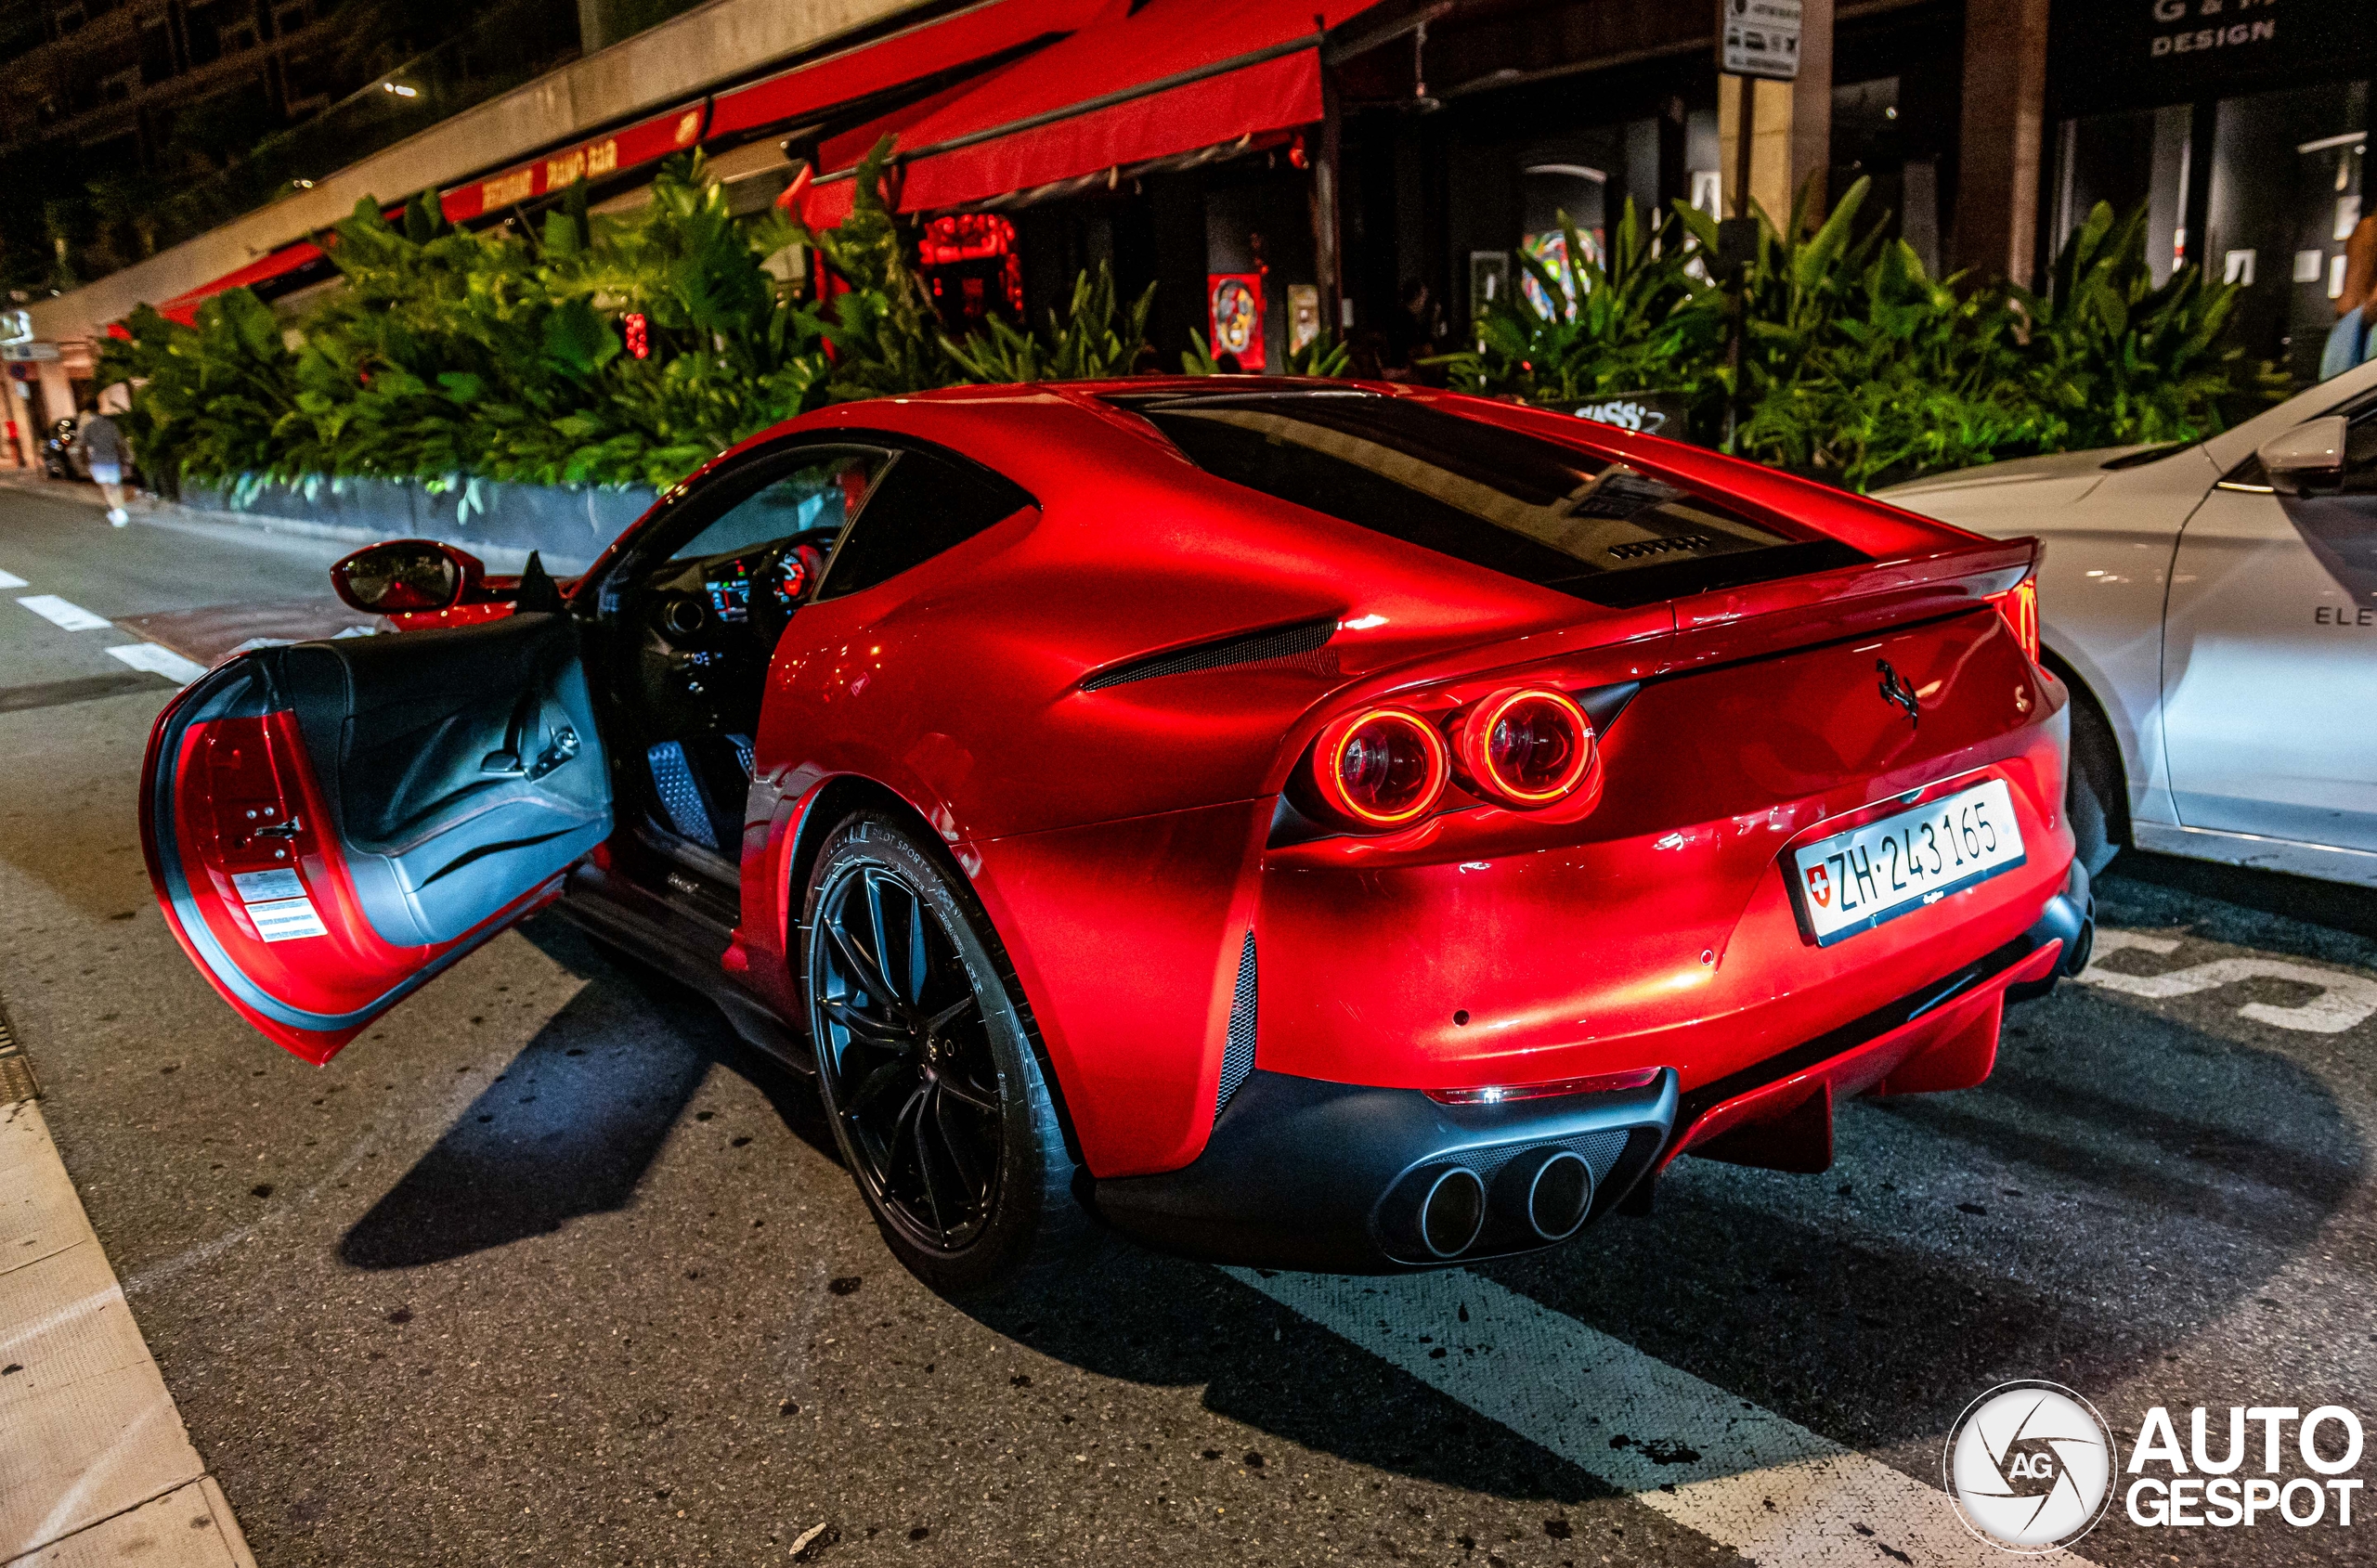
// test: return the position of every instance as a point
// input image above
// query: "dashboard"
(707, 627)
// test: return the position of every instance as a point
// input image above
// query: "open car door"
(328, 825)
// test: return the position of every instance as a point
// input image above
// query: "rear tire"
(928, 1068)
(2096, 793)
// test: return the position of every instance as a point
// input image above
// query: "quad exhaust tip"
(1559, 1195)
(2084, 944)
(1544, 1194)
(1452, 1211)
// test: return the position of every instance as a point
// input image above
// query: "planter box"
(1646, 413)
(568, 525)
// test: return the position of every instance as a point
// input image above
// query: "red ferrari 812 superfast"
(1311, 824)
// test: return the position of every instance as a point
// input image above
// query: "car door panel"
(330, 825)
(2269, 667)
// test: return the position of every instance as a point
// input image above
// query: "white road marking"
(159, 660)
(62, 613)
(2343, 1000)
(10, 580)
(1743, 1476)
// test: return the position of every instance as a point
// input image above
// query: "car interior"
(693, 621)
(689, 620)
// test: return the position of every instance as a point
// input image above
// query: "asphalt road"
(548, 1269)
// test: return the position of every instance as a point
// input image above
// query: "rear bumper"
(1304, 1174)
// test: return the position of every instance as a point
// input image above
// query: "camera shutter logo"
(2030, 1466)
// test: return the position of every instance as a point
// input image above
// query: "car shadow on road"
(571, 1125)
(1964, 1238)
(2326, 922)
(1137, 1316)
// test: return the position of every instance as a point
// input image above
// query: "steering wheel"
(782, 579)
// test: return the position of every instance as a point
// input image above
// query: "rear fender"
(1127, 938)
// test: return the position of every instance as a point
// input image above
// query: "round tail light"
(1381, 769)
(1529, 747)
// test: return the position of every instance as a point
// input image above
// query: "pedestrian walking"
(103, 451)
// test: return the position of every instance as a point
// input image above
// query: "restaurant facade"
(1377, 167)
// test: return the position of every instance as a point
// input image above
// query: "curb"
(95, 1464)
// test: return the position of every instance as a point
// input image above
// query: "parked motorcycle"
(58, 458)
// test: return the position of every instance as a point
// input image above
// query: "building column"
(1328, 208)
(1998, 142)
(57, 391)
(18, 415)
(598, 26)
(1769, 145)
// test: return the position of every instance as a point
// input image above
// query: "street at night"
(549, 1266)
(1086, 784)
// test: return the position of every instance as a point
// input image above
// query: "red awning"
(823, 207)
(910, 55)
(646, 141)
(1178, 76)
(278, 263)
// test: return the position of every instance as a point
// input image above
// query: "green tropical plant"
(2123, 359)
(1860, 368)
(1643, 321)
(453, 357)
(1857, 366)
(1324, 355)
(885, 338)
(216, 392)
(1084, 344)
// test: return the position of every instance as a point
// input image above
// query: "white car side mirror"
(2312, 449)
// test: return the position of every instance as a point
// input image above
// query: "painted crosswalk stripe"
(10, 580)
(159, 660)
(1740, 1475)
(62, 613)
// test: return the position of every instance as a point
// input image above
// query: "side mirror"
(2313, 450)
(402, 576)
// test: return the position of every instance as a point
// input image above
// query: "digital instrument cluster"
(728, 588)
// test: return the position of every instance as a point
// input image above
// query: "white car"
(2214, 607)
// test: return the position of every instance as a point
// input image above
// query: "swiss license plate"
(1853, 881)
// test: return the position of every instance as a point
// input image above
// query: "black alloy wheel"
(927, 1067)
(910, 1060)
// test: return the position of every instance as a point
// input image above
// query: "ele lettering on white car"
(2214, 607)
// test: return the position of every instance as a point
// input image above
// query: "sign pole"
(1738, 255)
(1754, 38)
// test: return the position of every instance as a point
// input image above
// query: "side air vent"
(1290, 647)
(1238, 1045)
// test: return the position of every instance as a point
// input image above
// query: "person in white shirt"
(103, 449)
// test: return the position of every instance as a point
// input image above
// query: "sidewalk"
(94, 1465)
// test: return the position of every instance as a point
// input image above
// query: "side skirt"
(593, 903)
(2357, 867)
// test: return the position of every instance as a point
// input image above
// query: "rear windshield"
(1494, 498)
